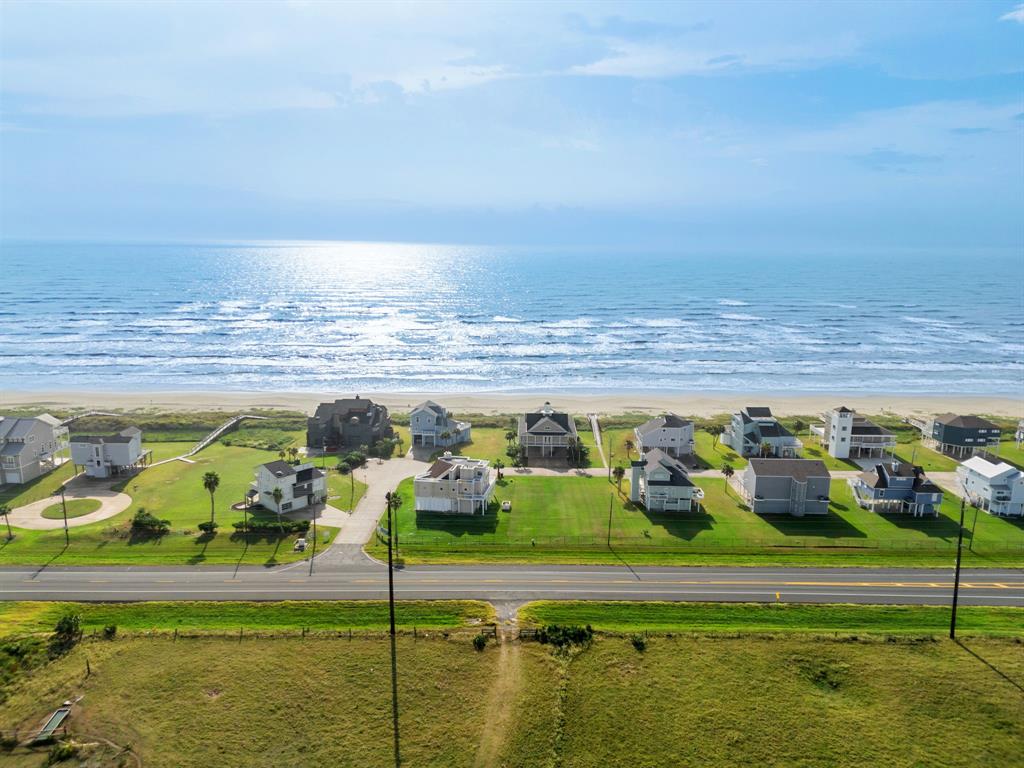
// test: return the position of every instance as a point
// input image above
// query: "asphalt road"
(508, 583)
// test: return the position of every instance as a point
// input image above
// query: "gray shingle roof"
(967, 422)
(666, 421)
(280, 468)
(799, 469)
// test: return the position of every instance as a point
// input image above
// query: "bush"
(354, 459)
(208, 526)
(560, 636)
(272, 526)
(147, 523)
(480, 641)
(110, 631)
(66, 634)
(61, 751)
(638, 642)
(343, 467)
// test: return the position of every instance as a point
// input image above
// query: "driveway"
(112, 503)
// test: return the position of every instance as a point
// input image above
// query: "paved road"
(363, 579)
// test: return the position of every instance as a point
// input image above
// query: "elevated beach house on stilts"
(754, 431)
(432, 425)
(844, 434)
(795, 487)
(302, 485)
(669, 432)
(993, 485)
(660, 482)
(895, 486)
(110, 455)
(958, 435)
(30, 447)
(547, 434)
(455, 484)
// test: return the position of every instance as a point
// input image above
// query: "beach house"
(660, 482)
(455, 484)
(843, 434)
(895, 486)
(1018, 437)
(350, 422)
(301, 485)
(795, 487)
(30, 447)
(547, 434)
(109, 455)
(670, 433)
(432, 425)
(993, 485)
(755, 432)
(959, 435)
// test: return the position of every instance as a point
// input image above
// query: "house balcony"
(302, 489)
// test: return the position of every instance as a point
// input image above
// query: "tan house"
(455, 484)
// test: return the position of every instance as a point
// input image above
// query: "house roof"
(879, 477)
(307, 474)
(440, 468)
(344, 406)
(677, 471)
(549, 423)
(280, 468)
(16, 427)
(430, 405)
(758, 412)
(798, 469)
(844, 409)
(988, 468)
(773, 430)
(46, 418)
(665, 421)
(862, 426)
(967, 422)
(102, 439)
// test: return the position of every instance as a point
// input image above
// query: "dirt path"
(501, 702)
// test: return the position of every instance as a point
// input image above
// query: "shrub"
(272, 526)
(66, 634)
(480, 641)
(147, 523)
(354, 459)
(560, 636)
(208, 526)
(343, 467)
(61, 751)
(110, 631)
(638, 642)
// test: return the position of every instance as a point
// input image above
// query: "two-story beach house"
(547, 434)
(960, 435)
(1018, 436)
(301, 485)
(795, 487)
(30, 447)
(660, 482)
(993, 485)
(670, 433)
(455, 484)
(755, 432)
(844, 434)
(348, 423)
(432, 425)
(109, 455)
(896, 486)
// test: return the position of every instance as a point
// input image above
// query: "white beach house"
(455, 484)
(109, 455)
(994, 485)
(668, 432)
(844, 434)
(302, 485)
(661, 484)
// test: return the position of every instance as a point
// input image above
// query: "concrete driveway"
(112, 503)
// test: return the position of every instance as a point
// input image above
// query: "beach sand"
(684, 403)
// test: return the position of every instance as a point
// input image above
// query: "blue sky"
(697, 125)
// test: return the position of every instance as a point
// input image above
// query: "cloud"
(894, 160)
(632, 29)
(1017, 14)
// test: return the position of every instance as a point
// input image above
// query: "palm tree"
(277, 494)
(446, 436)
(716, 431)
(4, 512)
(499, 465)
(728, 471)
(293, 453)
(210, 482)
(281, 454)
(618, 473)
(765, 450)
(510, 436)
(630, 446)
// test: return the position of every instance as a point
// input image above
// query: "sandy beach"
(685, 403)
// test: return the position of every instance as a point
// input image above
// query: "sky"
(707, 126)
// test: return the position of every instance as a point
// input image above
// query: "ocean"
(363, 317)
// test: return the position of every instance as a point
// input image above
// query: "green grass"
(1008, 451)
(488, 443)
(75, 508)
(174, 492)
(612, 616)
(565, 519)
(926, 458)
(344, 491)
(714, 701)
(812, 450)
(320, 615)
(710, 453)
(170, 449)
(42, 487)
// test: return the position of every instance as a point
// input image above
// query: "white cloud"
(1017, 14)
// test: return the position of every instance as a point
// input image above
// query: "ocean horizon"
(452, 318)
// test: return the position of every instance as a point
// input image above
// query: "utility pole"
(394, 657)
(611, 502)
(956, 578)
(64, 505)
(610, 456)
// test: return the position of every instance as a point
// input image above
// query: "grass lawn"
(565, 519)
(926, 458)
(321, 615)
(172, 491)
(812, 450)
(75, 508)
(710, 453)
(710, 700)
(488, 443)
(170, 449)
(614, 616)
(344, 491)
(1009, 452)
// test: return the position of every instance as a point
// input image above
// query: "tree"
(510, 437)
(799, 426)
(499, 465)
(211, 480)
(619, 473)
(277, 494)
(728, 471)
(716, 431)
(630, 446)
(5, 512)
(446, 436)
(766, 450)
(281, 454)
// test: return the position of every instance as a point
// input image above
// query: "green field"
(74, 508)
(1008, 451)
(710, 700)
(566, 519)
(488, 443)
(613, 616)
(171, 491)
(710, 453)
(344, 491)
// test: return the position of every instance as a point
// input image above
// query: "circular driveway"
(111, 502)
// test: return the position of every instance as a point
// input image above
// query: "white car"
(300, 545)
(506, 506)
